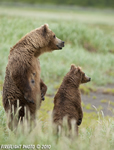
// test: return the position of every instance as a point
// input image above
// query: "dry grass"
(99, 134)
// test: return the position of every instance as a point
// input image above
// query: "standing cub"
(67, 101)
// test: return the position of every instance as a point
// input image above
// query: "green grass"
(94, 97)
(89, 43)
(86, 46)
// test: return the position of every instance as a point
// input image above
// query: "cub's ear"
(79, 69)
(72, 67)
(45, 28)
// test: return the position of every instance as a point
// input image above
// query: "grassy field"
(89, 43)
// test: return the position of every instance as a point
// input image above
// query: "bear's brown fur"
(22, 80)
(67, 101)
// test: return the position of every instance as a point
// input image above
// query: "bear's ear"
(72, 67)
(45, 28)
(79, 69)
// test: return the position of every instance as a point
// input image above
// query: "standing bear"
(67, 101)
(22, 80)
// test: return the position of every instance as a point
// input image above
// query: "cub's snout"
(85, 78)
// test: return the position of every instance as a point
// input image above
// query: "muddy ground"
(102, 99)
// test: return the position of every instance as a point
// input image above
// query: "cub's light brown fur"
(67, 101)
(22, 80)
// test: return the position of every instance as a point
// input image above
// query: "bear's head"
(45, 40)
(78, 75)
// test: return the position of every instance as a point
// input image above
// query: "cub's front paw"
(79, 121)
(42, 97)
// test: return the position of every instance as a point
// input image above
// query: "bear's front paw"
(42, 97)
(29, 100)
(79, 121)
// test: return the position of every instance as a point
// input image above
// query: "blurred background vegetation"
(91, 3)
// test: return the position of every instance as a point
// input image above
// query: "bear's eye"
(32, 81)
(54, 36)
(34, 74)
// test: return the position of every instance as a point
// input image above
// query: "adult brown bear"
(22, 80)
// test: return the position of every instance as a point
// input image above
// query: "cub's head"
(78, 75)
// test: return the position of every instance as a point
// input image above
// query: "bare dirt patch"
(101, 100)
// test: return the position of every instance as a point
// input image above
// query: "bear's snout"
(63, 43)
(89, 79)
(60, 45)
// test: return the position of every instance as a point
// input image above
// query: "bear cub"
(67, 101)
